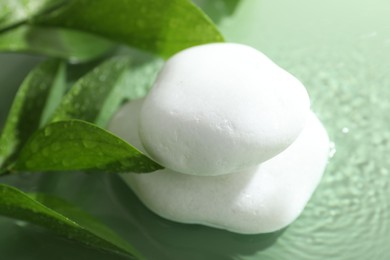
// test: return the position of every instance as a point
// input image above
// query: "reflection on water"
(340, 50)
(183, 241)
(349, 215)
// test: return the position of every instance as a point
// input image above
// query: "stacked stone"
(242, 150)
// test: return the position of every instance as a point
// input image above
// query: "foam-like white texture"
(263, 199)
(125, 123)
(220, 108)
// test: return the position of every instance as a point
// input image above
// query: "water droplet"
(47, 131)
(143, 10)
(173, 23)
(55, 160)
(102, 77)
(46, 151)
(69, 23)
(55, 147)
(141, 23)
(21, 223)
(66, 162)
(332, 149)
(34, 147)
(77, 106)
(30, 164)
(384, 171)
(89, 144)
(199, 28)
(101, 166)
(127, 164)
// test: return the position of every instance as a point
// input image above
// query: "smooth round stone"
(220, 108)
(263, 199)
(124, 123)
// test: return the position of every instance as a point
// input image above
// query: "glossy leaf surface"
(62, 218)
(163, 27)
(78, 145)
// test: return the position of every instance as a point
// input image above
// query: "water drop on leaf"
(55, 147)
(30, 164)
(46, 152)
(21, 223)
(140, 23)
(34, 147)
(47, 131)
(66, 162)
(89, 144)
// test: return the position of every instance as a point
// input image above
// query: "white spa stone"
(263, 199)
(219, 108)
(125, 123)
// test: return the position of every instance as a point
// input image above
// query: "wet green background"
(340, 50)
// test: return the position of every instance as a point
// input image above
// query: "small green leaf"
(217, 10)
(97, 95)
(163, 27)
(62, 218)
(140, 78)
(78, 145)
(86, 99)
(54, 42)
(14, 12)
(55, 94)
(40, 92)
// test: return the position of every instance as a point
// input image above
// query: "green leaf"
(163, 27)
(139, 78)
(14, 12)
(36, 99)
(62, 218)
(54, 94)
(63, 43)
(78, 145)
(97, 95)
(217, 10)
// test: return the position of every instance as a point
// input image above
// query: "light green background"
(340, 50)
